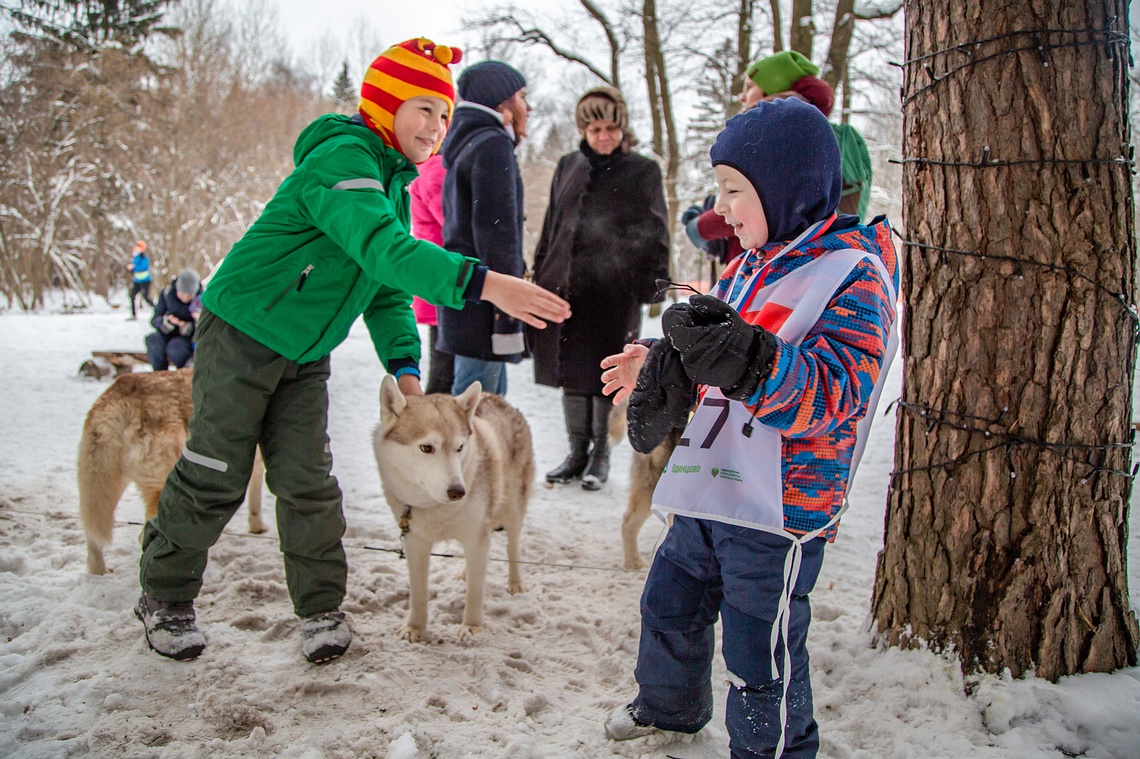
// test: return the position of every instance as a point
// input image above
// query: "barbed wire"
(1118, 297)
(347, 544)
(1108, 37)
(985, 162)
(1004, 439)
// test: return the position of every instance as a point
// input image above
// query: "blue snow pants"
(703, 568)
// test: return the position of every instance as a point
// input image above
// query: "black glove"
(718, 347)
(661, 400)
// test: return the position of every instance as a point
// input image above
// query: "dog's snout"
(455, 492)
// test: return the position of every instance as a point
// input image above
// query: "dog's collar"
(405, 528)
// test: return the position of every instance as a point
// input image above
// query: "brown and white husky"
(453, 469)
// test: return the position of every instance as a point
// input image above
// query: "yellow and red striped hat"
(407, 70)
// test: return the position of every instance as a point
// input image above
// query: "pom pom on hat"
(413, 68)
(777, 73)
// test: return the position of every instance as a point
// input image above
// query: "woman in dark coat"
(604, 244)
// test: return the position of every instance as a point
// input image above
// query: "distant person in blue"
(139, 268)
(174, 320)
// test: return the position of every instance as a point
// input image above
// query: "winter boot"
(325, 636)
(622, 725)
(170, 627)
(598, 466)
(576, 408)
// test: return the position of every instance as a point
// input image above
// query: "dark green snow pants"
(245, 394)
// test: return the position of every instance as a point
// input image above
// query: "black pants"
(442, 370)
(140, 287)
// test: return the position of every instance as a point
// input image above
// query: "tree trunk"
(777, 34)
(802, 32)
(649, 28)
(1000, 541)
(662, 114)
(743, 47)
(835, 71)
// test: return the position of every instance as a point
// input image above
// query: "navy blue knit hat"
(787, 150)
(489, 83)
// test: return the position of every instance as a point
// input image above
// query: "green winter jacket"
(333, 244)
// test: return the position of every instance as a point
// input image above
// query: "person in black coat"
(604, 244)
(174, 320)
(483, 218)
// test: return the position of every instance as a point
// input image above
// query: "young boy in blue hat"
(786, 359)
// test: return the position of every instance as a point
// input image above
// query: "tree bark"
(743, 45)
(777, 34)
(998, 541)
(802, 32)
(661, 105)
(835, 72)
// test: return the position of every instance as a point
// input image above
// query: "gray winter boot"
(576, 408)
(171, 629)
(325, 636)
(598, 466)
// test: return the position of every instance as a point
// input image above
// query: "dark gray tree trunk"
(998, 541)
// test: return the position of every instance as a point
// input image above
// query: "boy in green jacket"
(332, 245)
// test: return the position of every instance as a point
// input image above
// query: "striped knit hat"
(404, 71)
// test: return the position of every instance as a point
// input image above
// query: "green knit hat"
(777, 73)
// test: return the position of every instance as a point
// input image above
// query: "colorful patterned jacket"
(817, 392)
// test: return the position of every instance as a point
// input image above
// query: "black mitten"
(661, 400)
(718, 347)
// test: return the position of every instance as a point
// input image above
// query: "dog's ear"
(468, 400)
(392, 401)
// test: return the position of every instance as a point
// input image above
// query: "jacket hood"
(334, 125)
(787, 150)
(469, 122)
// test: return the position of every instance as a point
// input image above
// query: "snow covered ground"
(76, 677)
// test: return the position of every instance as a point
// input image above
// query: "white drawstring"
(781, 625)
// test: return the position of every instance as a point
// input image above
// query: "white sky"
(394, 20)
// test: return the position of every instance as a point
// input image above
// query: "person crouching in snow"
(331, 245)
(786, 359)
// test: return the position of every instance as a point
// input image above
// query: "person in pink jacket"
(427, 224)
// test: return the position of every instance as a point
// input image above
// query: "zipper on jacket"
(299, 282)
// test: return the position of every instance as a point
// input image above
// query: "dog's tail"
(618, 424)
(101, 484)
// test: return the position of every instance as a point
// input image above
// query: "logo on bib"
(686, 469)
(715, 471)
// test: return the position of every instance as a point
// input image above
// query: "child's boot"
(622, 725)
(325, 636)
(171, 629)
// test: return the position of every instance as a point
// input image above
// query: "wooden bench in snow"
(103, 363)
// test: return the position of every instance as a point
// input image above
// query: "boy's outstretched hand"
(524, 301)
(621, 370)
(660, 393)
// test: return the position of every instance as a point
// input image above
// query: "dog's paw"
(411, 634)
(256, 528)
(635, 563)
(515, 588)
(469, 631)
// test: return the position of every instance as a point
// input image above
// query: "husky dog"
(134, 433)
(453, 469)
